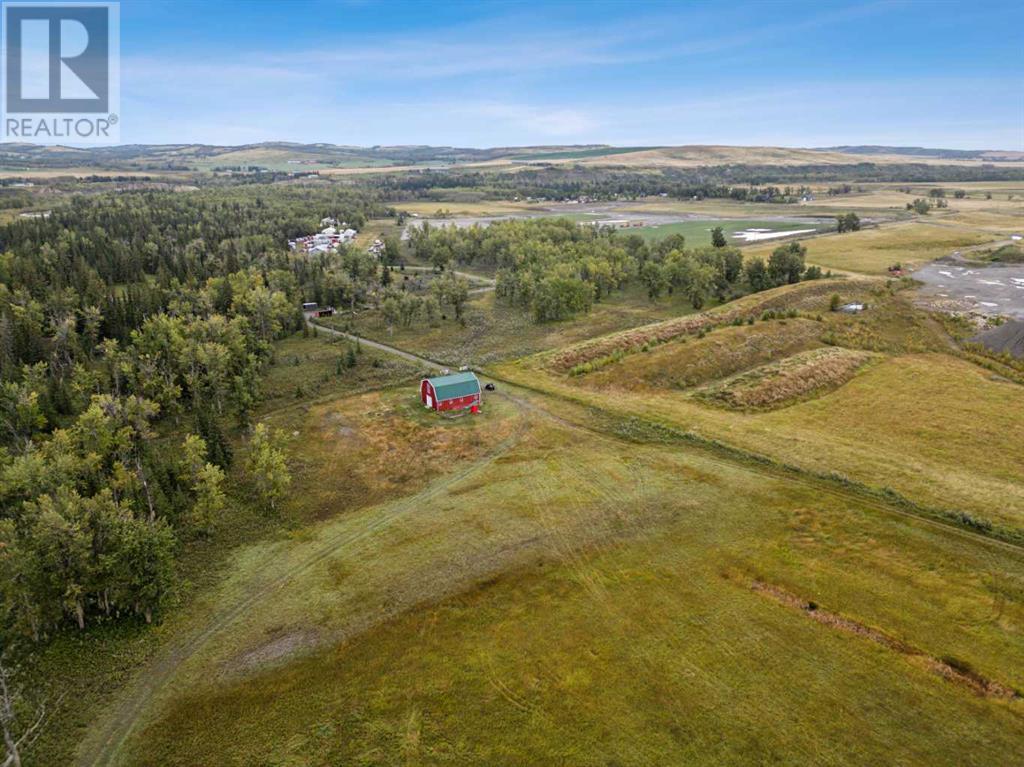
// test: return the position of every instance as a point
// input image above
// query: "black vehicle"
(489, 387)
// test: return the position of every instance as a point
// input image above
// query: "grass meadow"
(873, 251)
(579, 598)
(698, 233)
(494, 330)
(933, 427)
(555, 580)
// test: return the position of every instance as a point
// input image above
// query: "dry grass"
(777, 384)
(938, 430)
(873, 251)
(568, 605)
(698, 155)
(804, 297)
(383, 444)
(689, 362)
(427, 208)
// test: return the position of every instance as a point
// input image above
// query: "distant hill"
(920, 151)
(295, 157)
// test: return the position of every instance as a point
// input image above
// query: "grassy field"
(562, 579)
(698, 155)
(91, 668)
(493, 330)
(873, 251)
(954, 432)
(698, 233)
(578, 598)
(465, 208)
(578, 154)
(798, 377)
(306, 367)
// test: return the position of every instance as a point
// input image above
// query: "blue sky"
(942, 74)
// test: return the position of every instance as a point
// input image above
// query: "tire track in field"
(104, 748)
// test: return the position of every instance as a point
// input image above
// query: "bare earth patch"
(280, 648)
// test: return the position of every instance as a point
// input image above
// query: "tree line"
(125, 319)
(557, 269)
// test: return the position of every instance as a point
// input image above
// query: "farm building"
(458, 391)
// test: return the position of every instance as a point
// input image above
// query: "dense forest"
(124, 317)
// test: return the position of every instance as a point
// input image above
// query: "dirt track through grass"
(104, 746)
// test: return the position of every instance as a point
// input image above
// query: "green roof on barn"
(455, 385)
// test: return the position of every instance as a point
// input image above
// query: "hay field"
(872, 251)
(687, 361)
(776, 384)
(580, 596)
(936, 428)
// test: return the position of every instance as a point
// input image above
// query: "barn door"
(430, 401)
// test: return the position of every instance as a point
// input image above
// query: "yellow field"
(460, 208)
(883, 428)
(578, 596)
(872, 251)
(81, 172)
(697, 155)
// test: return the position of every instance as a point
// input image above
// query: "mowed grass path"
(585, 600)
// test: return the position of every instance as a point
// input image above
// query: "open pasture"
(686, 361)
(578, 596)
(698, 232)
(936, 429)
(873, 251)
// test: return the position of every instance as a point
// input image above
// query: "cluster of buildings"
(327, 240)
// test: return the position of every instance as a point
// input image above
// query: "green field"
(698, 233)
(494, 330)
(556, 579)
(873, 251)
(572, 595)
(964, 458)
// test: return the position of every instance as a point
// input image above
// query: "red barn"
(459, 391)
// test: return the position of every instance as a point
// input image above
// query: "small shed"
(459, 391)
